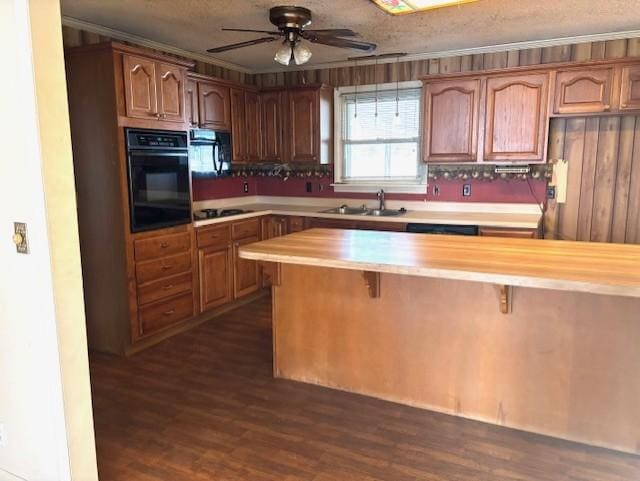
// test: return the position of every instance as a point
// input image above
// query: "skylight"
(400, 7)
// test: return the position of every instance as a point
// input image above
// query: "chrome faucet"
(381, 199)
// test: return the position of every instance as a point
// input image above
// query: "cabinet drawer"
(514, 233)
(296, 224)
(167, 266)
(166, 287)
(162, 314)
(162, 246)
(247, 228)
(213, 236)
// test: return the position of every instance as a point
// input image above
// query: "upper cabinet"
(214, 106)
(516, 120)
(630, 90)
(309, 124)
(238, 127)
(153, 89)
(191, 103)
(272, 126)
(451, 121)
(253, 121)
(580, 91)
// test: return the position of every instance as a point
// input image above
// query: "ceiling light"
(399, 7)
(301, 53)
(284, 53)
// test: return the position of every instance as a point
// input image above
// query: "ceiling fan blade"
(241, 44)
(336, 32)
(270, 32)
(341, 42)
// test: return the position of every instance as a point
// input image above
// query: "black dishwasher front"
(444, 229)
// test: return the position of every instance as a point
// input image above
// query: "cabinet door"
(451, 121)
(516, 118)
(170, 92)
(303, 126)
(238, 126)
(272, 127)
(246, 278)
(253, 124)
(140, 86)
(216, 271)
(214, 106)
(191, 103)
(583, 91)
(630, 96)
(514, 233)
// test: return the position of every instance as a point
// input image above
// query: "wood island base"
(560, 363)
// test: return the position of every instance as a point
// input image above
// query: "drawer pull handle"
(169, 312)
(164, 268)
(166, 288)
(164, 245)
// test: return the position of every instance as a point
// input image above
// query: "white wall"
(32, 329)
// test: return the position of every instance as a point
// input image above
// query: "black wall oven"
(159, 194)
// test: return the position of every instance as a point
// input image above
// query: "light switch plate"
(20, 237)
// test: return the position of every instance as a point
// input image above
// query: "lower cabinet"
(514, 233)
(246, 278)
(216, 277)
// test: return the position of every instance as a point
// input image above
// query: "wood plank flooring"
(204, 406)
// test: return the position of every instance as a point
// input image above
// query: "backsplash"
(498, 190)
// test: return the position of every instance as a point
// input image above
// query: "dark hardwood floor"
(204, 406)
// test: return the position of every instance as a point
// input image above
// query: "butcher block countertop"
(598, 268)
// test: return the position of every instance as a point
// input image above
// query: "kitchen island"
(537, 335)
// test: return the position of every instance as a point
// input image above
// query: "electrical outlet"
(309, 187)
(436, 190)
(320, 187)
(466, 190)
(3, 436)
(551, 192)
(246, 187)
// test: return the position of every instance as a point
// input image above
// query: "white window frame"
(419, 186)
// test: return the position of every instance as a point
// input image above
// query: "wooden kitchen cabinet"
(214, 106)
(450, 127)
(516, 120)
(253, 122)
(505, 232)
(272, 126)
(191, 103)
(247, 276)
(630, 88)
(581, 91)
(274, 226)
(153, 89)
(238, 125)
(309, 124)
(216, 276)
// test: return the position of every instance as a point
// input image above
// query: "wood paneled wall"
(73, 37)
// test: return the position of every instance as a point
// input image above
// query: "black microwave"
(159, 185)
(210, 153)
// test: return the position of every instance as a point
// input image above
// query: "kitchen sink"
(346, 210)
(386, 212)
(363, 210)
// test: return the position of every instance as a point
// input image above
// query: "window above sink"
(377, 138)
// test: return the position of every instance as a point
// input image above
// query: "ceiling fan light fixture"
(284, 53)
(301, 53)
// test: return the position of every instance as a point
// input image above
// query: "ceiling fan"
(291, 23)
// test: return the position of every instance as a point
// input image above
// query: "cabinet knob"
(169, 312)
(167, 287)
(164, 245)
(164, 268)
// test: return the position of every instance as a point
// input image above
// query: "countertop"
(487, 219)
(598, 268)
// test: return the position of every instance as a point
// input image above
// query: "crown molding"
(505, 47)
(145, 42)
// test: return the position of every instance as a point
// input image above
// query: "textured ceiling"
(194, 25)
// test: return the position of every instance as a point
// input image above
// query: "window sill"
(371, 187)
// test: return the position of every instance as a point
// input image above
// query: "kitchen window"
(378, 138)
